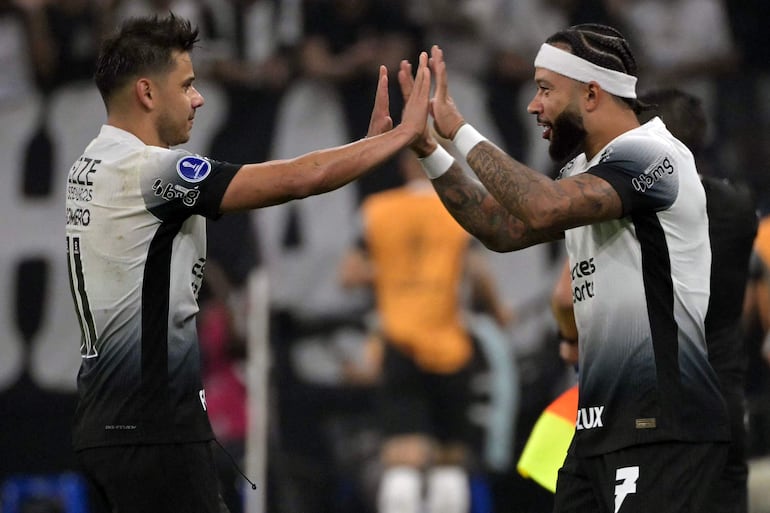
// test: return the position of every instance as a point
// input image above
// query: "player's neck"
(607, 129)
(143, 128)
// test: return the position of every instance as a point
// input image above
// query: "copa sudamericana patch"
(193, 169)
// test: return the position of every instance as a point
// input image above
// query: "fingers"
(438, 67)
(421, 86)
(380, 120)
(405, 79)
(382, 100)
(418, 84)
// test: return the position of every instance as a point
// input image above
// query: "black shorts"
(412, 400)
(668, 477)
(161, 478)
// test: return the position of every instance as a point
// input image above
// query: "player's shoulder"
(649, 138)
(647, 146)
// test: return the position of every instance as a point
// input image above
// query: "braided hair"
(601, 45)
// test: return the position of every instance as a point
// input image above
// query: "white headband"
(570, 65)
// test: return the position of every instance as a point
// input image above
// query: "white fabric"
(466, 139)
(400, 491)
(570, 65)
(448, 490)
(437, 163)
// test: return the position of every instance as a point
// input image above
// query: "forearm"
(469, 202)
(547, 207)
(341, 165)
(519, 188)
(274, 182)
(478, 212)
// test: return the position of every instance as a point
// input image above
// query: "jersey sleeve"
(643, 173)
(184, 184)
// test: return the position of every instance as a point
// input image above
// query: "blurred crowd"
(287, 76)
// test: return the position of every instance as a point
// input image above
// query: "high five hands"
(447, 119)
(414, 118)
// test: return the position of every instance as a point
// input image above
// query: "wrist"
(424, 147)
(466, 139)
(437, 163)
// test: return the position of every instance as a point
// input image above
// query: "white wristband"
(466, 138)
(437, 163)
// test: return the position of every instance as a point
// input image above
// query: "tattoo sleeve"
(480, 214)
(545, 206)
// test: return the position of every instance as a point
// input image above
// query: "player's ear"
(591, 95)
(143, 88)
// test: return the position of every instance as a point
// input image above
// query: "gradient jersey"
(136, 248)
(419, 252)
(640, 292)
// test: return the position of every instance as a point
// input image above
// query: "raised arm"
(542, 207)
(274, 182)
(465, 197)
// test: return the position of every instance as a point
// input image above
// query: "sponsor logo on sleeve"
(653, 175)
(172, 191)
(193, 169)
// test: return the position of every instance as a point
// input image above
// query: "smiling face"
(556, 106)
(177, 102)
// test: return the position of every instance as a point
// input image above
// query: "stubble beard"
(171, 132)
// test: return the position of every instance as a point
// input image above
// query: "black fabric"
(670, 477)
(414, 401)
(732, 229)
(163, 478)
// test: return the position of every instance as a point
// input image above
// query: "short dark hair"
(142, 45)
(683, 114)
(601, 45)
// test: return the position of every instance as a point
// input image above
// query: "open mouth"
(546, 129)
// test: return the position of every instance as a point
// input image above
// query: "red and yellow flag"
(546, 448)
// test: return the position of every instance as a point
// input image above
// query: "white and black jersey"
(640, 292)
(136, 247)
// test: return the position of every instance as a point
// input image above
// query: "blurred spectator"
(757, 322)
(414, 255)
(514, 43)
(75, 28)
(197, 11)
(17, 51)
(745, 116)
(668, 37)
(680, 43)
(344, 43)
(465, 29)
(251, 56)
(461, 27)
(254, 63)
(61, 39)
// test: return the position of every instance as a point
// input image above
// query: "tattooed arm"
(514, 206)
(546, 207)
(480, 214)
